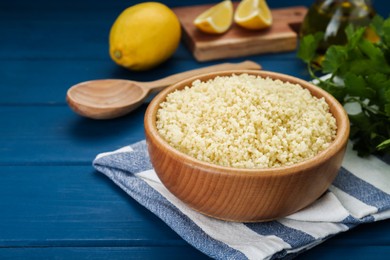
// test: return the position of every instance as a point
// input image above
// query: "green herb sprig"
(359, 74)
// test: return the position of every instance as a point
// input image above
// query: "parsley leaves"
(359, 75)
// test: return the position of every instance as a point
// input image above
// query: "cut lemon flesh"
(253, 14)
(217, 19)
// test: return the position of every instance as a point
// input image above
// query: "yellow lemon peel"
(144, 35)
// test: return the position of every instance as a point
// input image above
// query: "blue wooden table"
(53, 204)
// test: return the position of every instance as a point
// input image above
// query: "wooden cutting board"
(239, 42)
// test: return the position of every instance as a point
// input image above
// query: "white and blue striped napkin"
(360, 194)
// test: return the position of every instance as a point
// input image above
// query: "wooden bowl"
(246, 195)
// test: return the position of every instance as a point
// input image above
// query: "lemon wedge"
(217, 19)
(253, 14)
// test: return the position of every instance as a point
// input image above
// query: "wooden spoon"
(111, 98)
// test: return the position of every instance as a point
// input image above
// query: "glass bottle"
(332, 17)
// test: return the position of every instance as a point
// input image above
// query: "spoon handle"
(159, 84)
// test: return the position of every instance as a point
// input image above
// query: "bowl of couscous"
(246, 145)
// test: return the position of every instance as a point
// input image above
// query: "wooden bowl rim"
(339, 143)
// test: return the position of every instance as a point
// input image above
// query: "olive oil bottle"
(332, 17)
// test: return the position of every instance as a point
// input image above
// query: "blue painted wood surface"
(52, 202)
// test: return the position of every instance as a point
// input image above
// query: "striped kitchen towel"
(359, 194)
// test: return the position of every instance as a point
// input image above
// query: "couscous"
(246, 121)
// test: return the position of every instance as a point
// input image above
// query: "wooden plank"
(239, 42)
(117, 253)
(38, 117)
(54, 205)
(45, 81)
(73, 206)
(76, 38)
(53, 135)
(367, 241)
(64, 210)
(171, 253)
(74, 212)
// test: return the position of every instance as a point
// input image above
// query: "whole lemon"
(144, 35)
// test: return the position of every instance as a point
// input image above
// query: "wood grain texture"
(102, 252)
(246, 195)
(73, 206)
(54, 135)
(53, 206)
(112, 98)
(239, 42)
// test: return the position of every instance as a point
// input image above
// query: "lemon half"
(217, 19)
(253, 14)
